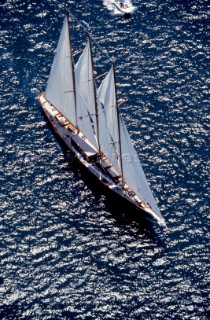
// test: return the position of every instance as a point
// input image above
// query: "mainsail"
(85, 96)
(110, 139)
(60, 89)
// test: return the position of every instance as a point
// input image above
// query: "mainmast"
(72, 63)
(95, 96)
(119, 130)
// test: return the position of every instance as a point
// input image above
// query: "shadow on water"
(124, 213)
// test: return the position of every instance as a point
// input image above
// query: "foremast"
(73, 68)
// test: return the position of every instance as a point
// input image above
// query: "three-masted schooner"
(89, 122)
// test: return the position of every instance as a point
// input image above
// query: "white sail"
(60, 91)
(133, 172)
(106, 143)
(85, 96)
(107, 96)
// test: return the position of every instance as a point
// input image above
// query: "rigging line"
(85, 28)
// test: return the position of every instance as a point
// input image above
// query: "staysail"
(85, 96)
(110, 139)
(60, 91)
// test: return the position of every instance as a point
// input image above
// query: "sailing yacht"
(89, 122)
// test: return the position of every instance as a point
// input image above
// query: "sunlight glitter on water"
(68, 250)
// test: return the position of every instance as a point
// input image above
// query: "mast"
(96, 103)
(119, 130)
(72, 63)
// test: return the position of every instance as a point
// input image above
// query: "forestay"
(60, 91)
(85, 96)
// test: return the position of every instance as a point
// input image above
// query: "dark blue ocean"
(69, 250)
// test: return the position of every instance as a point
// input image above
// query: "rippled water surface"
(68, 249)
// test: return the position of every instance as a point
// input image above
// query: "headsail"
(60, 89)
(85, 96)
(110, 141)
(133, 171)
